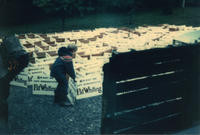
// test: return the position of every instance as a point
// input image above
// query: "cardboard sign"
(94, 50)
(72, 91)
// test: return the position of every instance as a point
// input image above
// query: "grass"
(180, 16)
(187, 16)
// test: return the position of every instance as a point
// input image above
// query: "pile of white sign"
(94, 50)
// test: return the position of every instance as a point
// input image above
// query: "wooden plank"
(150, 54)
(192, 96)
(142, 60)
(164, 125)
(145, 68)
(146, 57)
(108, 100)
(149, 95)
(147, 115)
(149, 81)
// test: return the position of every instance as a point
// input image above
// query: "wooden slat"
(149, 81)
(108, 100)
(158, 53)
(147, 115)
(163, 125)
(145, 68)
(150, 95)
(148, 62)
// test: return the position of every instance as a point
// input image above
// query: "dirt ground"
(36, 114)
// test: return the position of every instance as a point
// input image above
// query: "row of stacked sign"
(94, 50)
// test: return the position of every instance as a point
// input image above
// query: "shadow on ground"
(36, 114)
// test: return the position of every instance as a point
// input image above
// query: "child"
(63, 66)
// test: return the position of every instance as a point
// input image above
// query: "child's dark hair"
(63, 51)
(72, 48)
(67, 50)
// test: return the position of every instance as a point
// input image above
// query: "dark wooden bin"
(151, 91)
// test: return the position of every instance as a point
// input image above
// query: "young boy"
(63, 66)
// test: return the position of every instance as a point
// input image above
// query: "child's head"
(62, 51)
(70, 49)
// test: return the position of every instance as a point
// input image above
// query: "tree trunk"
(183, 4)
(63, 18)
(63, 23)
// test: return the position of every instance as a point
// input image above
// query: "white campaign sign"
(91, 56)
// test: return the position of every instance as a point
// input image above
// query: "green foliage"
(121, 4)
(117, 5)
(82, 7)
(67, 7)
(52, 5)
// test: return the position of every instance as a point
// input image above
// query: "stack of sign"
(94, 50)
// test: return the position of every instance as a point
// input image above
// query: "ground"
(36, 114)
